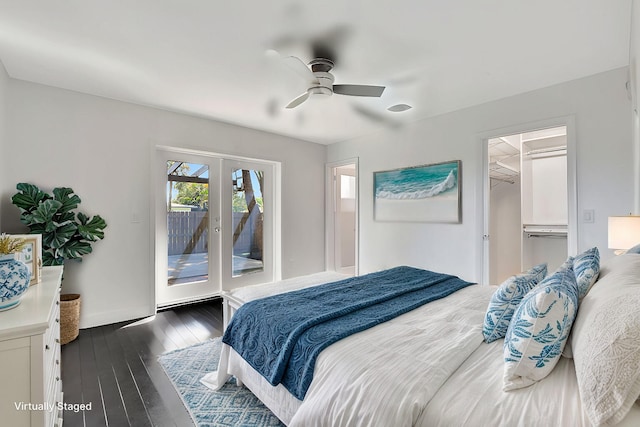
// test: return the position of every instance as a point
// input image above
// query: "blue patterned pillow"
(586, 267)
(505, 300)
(539, 329)
(634, 250)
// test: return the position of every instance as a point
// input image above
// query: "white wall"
(103, 150)
(634, 78)
(4, 180)
(605, 170)
(505, 230)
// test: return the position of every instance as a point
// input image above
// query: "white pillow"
(539, 329)
(606, 342)
(506, 299)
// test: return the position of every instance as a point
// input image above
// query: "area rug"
(230, 406)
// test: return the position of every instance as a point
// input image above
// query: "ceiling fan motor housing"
(323, 84)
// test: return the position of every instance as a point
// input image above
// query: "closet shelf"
(539, 230)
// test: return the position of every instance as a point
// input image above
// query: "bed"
(431, 366)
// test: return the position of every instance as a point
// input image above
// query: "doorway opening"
(530, 209)
(342, 217)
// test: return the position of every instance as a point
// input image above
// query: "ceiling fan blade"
(299, 100)
(296, 65)
(358, 90)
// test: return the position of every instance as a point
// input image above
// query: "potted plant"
(14, 275)
(66, 235)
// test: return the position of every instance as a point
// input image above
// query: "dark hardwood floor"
(115, 369)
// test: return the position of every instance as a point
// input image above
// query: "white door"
(342, 217)
(187, 215)
(217, 225)
(248, 208)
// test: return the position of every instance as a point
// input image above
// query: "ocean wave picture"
(429, 193)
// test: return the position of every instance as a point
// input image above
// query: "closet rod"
(546, 236)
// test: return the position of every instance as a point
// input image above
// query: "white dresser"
(30, 384)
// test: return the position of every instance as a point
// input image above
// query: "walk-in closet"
(528, 201)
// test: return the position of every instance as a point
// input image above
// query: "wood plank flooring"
(115, 369)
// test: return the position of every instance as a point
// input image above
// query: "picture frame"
(31, 255)
(424, 193)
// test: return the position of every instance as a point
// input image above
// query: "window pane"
(347, 187)
(187, 222)
(247, 221)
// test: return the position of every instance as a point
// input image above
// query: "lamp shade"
(624, 231)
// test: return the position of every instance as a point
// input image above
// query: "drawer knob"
(57, 340)
(57, 378)
(46, 347)
(57, 320)
(57, 302)
(57, 362)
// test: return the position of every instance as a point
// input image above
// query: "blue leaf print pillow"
(634, 250)
(539, 329)
(586, 267)
(505, 300)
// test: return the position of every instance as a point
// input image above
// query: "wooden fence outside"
(188, 232)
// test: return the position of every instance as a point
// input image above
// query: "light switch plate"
(588, 216)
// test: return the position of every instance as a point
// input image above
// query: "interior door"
(341, 217)
(345, 219)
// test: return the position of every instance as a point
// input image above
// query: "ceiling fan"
(320, 80)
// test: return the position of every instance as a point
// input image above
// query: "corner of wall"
(4, 82)
(634, 78)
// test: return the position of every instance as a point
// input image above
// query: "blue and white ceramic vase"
(14, 281)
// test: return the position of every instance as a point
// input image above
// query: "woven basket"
(69, 317)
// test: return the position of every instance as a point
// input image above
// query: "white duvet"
(388, 374)
(385, 375)
(428, 367)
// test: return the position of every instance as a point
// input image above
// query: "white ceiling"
(207, 58)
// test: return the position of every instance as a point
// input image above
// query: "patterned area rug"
(230, 406)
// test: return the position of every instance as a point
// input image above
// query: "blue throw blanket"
(282, 335)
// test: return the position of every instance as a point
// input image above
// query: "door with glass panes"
(214, 229)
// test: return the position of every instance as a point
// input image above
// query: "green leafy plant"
(65, 233)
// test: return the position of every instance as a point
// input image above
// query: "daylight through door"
(214, 225)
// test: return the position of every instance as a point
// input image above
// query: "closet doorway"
(342, 217)
(530, 201)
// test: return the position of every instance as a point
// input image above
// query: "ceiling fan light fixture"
(320, 90)
(398, 108)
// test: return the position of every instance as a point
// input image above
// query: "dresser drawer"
(30, 344)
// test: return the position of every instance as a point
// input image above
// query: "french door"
(214, 225)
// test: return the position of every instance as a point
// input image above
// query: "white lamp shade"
(624, 231)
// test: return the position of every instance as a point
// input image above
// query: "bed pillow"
(586, 267)
(505, 300)
(606, 342)
(539, 329)
(634, 250)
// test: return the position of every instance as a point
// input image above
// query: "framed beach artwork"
(31, 254)
(427, 193)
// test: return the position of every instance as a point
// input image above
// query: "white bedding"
(554, 401)
(348, 383)
(403, 373)
(250, 293)
(386, 376)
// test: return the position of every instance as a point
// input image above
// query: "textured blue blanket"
(282, 335)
